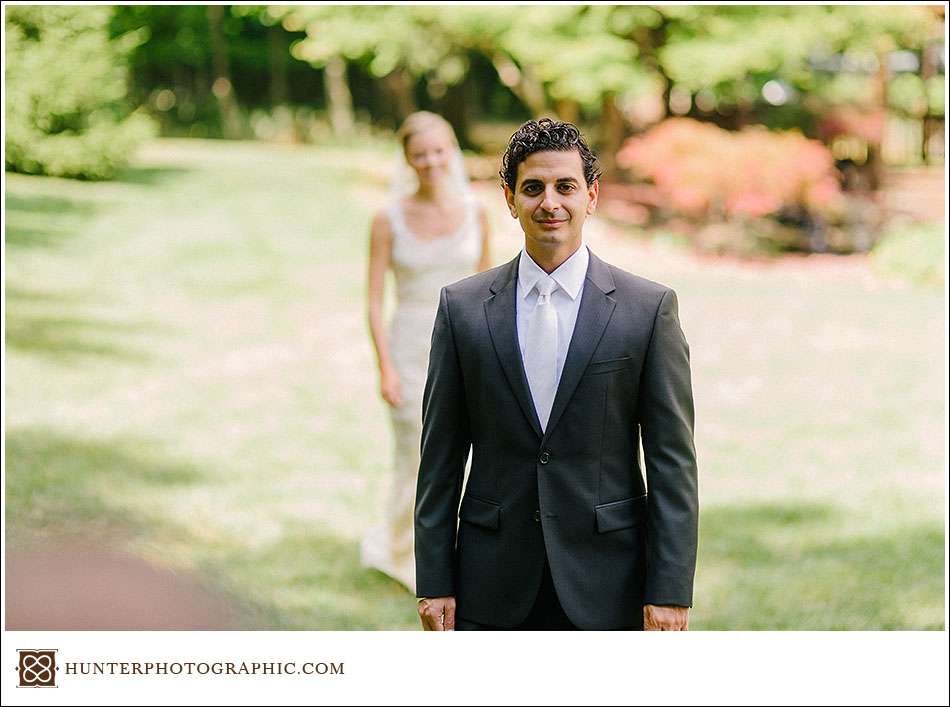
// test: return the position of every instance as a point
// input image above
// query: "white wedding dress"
(422, 266)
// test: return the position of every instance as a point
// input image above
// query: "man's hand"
(665, 618)
(437, 614)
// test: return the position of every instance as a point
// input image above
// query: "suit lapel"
(595, 310)
(593, 316)
(501, 312)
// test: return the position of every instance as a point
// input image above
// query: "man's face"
(551, 198)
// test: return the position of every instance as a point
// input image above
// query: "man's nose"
(550, 202)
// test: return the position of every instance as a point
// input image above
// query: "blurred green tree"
(578, 62)
(571, 60)
(735, 50)
(66, 108)
(396, 45)
(272, 71)
(793, 66)
(782, 66)
(186, 51)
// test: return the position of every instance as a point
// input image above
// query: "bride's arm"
(380, 258)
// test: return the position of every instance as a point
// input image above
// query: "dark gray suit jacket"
(575, 491)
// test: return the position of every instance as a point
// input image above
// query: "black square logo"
(37, 668)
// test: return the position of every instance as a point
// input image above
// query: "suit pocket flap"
(621, 514)
(613, 364)
(484, 513)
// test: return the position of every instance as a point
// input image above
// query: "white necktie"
(540, 351)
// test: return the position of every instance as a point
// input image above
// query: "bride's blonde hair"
(420, 121)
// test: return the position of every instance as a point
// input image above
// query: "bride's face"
(428, 152)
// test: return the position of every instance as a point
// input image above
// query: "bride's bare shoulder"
(381, 225)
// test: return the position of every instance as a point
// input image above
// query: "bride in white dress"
(431, 234)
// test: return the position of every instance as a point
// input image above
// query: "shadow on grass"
(25, 295)
(150, 176)
(45, 221)
(791, 566)
(56, 482)
(799, 567)
(312, 579)
(64, 492)
(60, 486)
(70, 337)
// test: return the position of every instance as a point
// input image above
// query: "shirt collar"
(569, 275)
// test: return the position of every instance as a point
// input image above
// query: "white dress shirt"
(569, 276)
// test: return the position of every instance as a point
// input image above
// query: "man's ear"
(510, 198)
(592, 192)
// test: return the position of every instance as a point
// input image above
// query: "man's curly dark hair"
(546, 134)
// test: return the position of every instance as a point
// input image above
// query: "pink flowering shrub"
(704, 172)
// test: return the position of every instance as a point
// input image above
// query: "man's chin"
(552, 237)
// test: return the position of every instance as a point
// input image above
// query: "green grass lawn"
(188, 369)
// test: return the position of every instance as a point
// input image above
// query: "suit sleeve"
(666, 423)
(446, 441)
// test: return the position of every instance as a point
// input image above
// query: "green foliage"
(721, 46)
(915, 252)
(566, 52)
(384, 38)
(906, 94)
(731, 52)
(498, 64)
(66, 82)
(714, 46)
(586, 54)
(936, 95)
(173, 68)
(575, 52)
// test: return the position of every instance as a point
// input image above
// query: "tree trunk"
(875, 163)
(648, 40)
(613, 132)
(928, 68)
(522, 84)
(399, 87)
(339, 99)
(455, 109)
(568, 110)
(532, 92)
(277, 59)
(222, 87)
(743, 114)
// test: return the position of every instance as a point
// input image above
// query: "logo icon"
(37, 668)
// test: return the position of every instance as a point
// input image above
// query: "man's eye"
(566, 187)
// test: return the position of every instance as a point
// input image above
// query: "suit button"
(537, 516)
(545, 457)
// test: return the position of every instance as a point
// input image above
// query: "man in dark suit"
(550, 369)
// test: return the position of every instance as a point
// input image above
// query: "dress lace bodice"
(422, 266)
